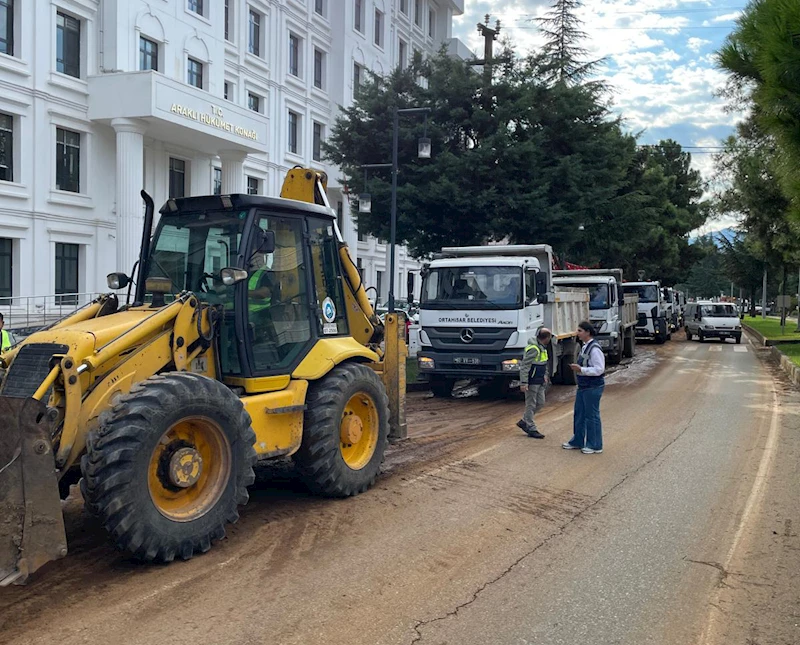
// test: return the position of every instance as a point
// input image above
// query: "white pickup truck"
(482, 305)
(612, 312)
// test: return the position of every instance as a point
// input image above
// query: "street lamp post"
(423, 152)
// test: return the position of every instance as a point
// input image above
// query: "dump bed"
(570, 306)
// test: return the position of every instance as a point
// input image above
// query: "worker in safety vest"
(533, 379)
(5, 337)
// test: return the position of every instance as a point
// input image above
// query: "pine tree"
(563, 51)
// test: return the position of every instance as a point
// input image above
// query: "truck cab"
(652, 323)
(481, 306)
(612, 312)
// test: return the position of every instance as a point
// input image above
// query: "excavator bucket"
(31, 524)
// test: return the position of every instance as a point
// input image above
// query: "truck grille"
(30, 368)
(483, 338)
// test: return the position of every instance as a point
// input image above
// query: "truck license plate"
(466, 360)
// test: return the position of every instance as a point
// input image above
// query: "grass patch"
(412, 370)
(792, 351)
(770, 328)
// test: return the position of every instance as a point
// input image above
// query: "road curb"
(787, 364)
(762, 341)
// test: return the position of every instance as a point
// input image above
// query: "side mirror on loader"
(265, 241)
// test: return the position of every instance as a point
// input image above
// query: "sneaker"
(591, 451)
(535, 434)
(523, 426)
(569, 446)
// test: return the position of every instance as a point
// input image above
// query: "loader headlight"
(426, 363)
(231, 275)
(117, 281)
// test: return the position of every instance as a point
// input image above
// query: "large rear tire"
(345, 431)
(630, 343)
(169, 466)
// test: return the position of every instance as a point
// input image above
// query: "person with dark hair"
(587, 433)
(533, 379)
(5, 337)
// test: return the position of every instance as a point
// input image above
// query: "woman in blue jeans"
(587, 434)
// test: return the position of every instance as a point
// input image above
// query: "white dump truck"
(613, 312)
(482, 305)
(653, 322)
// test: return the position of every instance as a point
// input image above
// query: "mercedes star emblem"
(467, 335)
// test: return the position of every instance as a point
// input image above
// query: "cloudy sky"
(659, 60)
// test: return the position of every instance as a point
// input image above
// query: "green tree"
(563, 50)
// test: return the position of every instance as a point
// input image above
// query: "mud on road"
(281, 520)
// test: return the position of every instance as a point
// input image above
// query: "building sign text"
(214, 119)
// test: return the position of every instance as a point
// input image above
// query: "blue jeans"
(587, 428)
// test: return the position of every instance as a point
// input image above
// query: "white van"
(707, 319)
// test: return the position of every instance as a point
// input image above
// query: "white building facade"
(101, 98)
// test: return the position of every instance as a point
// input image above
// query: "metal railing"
(24, 312)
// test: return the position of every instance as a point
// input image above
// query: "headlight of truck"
(426, 363)
(604, 342)
(708, 326)
(738, 327)
(511, 365)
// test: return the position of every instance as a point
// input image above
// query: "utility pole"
(489, 36)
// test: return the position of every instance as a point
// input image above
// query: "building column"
(201, 176)
(232, 171)
(129, 182)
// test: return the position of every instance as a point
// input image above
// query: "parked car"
(707, 319)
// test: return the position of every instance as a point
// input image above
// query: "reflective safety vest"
(534, 363)
(254, 304)
(5, 340)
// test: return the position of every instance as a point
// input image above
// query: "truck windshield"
(646, 292)
(599, 297)
(718, 311)
(473, 287)
(191, 248)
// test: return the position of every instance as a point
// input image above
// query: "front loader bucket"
(31, 524)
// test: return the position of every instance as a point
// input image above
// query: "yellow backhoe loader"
(247, 335)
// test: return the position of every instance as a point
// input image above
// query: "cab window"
(331, 314)
(277, 298)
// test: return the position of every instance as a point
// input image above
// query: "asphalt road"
(683, 531)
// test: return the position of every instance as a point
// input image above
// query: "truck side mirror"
(541, 285)
(620, 294)
(542, 298)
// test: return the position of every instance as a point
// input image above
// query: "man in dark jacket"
(533, 379)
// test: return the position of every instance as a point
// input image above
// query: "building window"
(432, 23)
(226, 91)
(316, 147)
(67, 273)
(319, 68)
(148, 54)
(254, 33)
(194, 75)
(197, 7)
(294, 55)
(356, 77)
(418, 13)
(6, 147)
(253, 185)
(6, 267)
(68, 160)
(227, 20)
(217, 181)
(360, 267)
(254, 102)
(7, 27)
(68, 45)
(358, 18)
(402, 54)
(404, 6)
(294, 119)
(319, 7)
(340, 217)
(177, 178)
(379, 28)
(378, 286)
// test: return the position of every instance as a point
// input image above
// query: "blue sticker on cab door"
(328, 310)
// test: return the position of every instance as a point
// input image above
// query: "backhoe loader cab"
(249, 336)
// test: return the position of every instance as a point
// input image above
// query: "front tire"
(442, 387)
(345, 431)
(688, 334)
(700, 336)
(169, 465)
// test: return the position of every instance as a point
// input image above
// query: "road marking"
(739, 348)
(753, 500)
(715, 348)
(691, 348)
(452, 464)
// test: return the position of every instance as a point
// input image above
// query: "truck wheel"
(688, 334)
(169, 466)
(497, 388)
(629, 348)
(345, 431)
(700, 336)
(739, 339)
(568, 377)
(442, 387)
